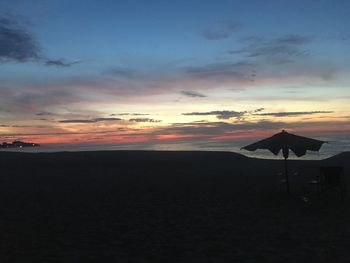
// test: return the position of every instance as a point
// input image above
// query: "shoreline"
(274, 157)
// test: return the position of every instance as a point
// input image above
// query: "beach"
(153, 206)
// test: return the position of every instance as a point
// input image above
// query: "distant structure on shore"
(18, 144)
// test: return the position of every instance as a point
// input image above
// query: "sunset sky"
(107, 72)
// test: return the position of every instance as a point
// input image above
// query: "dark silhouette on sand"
(286, 141)
(331, 178)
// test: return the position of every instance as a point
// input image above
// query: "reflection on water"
(335, 146)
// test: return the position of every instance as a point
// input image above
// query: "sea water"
(334, 146)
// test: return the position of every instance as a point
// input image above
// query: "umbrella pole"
(286, 173)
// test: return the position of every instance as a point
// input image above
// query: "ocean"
(334, 146)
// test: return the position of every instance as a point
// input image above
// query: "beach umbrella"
(286, 141)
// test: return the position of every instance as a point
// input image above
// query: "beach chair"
(293, 176)
(330, 178)
(294, 180)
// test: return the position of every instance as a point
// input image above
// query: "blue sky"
(109, 30)
(92, 60)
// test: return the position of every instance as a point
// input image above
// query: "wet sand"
(130, 206)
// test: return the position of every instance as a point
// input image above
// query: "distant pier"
(18, 144)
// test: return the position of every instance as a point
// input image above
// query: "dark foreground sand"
(165, 207)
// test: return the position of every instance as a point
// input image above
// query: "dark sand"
(166, 207)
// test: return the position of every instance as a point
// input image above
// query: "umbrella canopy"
(286, 141)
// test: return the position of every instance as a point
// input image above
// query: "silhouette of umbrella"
(286, 141)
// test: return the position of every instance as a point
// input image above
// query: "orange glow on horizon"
(109, 134)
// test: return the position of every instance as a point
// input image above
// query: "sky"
(124, 72)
